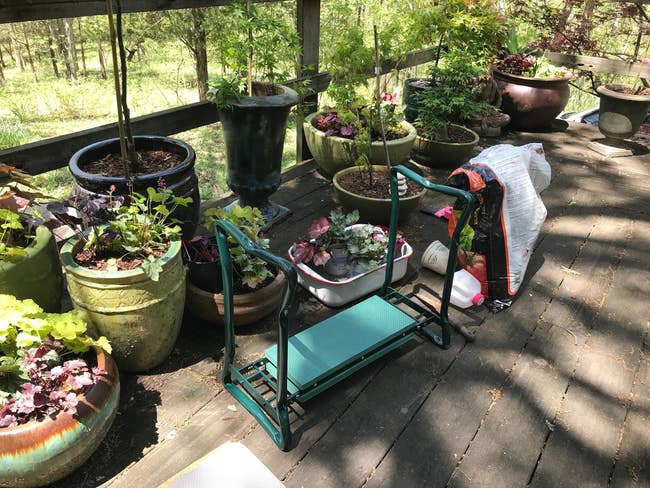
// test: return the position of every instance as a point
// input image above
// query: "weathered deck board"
(513, 435)
(633, 463)
(590, 418)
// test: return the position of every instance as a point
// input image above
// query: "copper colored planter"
(532, 103)
(41, 452)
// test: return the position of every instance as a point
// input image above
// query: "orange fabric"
(476, 183)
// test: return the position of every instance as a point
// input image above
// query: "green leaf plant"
(255, 47)
(450, 98)
(17, 217)
(40, 358)
(141, 229)
(250, 271)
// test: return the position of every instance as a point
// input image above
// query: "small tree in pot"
(448, 102)
(132, 162)
(253, 113)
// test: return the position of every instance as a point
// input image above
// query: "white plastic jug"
(466, 290)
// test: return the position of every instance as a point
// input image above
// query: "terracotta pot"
(333, 153)
(440, 154)
(41, 452)
(531, 103)
(141, 317)
(620, 114)
(373, 210)
(248, 307)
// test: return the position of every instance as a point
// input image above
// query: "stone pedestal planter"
(620, 114)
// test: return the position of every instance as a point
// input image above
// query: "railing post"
(308, 17)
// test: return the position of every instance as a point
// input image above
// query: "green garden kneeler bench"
(300, 367)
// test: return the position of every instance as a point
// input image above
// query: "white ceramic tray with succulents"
(340, 291)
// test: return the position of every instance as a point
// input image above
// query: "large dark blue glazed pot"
(254, 129)
(181, 179)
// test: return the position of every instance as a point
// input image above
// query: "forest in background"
(55, 75)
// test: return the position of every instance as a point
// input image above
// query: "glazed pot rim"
(567, 77)
(606, 89)
(105, 362)
(278, 278)
(187, 162)
(412, 133)
(71, 265)
(473, 142)
(288, 98)
(33, 247)
(375, 167)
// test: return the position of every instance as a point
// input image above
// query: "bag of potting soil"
(497, 242)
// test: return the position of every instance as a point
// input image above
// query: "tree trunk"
(72, 46)
(2, 60)
(51, 47)
(81, 45)
(15, 48)
(63, 48)
(30, 59)
(2, 75)
(100, 53)
(200, 52)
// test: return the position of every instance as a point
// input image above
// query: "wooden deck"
(555, 391)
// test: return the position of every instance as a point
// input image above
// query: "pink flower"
(388, 97)
(645, 61)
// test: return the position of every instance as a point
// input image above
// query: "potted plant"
(533, 91)
(254, 114)
(29, 260)
(335, 133)
(328, 243)
(60, 392)
(257, 287)
(622, 110)
(448, 102)
(127, 277)
(133, 163)
(358, 267)
(333, 136)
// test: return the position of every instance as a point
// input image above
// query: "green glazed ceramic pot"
(439, 154)
(38, 275)
(373, 210)
(333, 153)
(141, 317)
(40, 452)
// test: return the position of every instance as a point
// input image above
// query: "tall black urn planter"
(254, 129)
(181, 179)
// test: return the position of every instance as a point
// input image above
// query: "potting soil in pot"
(358, 182)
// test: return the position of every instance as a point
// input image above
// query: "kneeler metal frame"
(301, 367)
